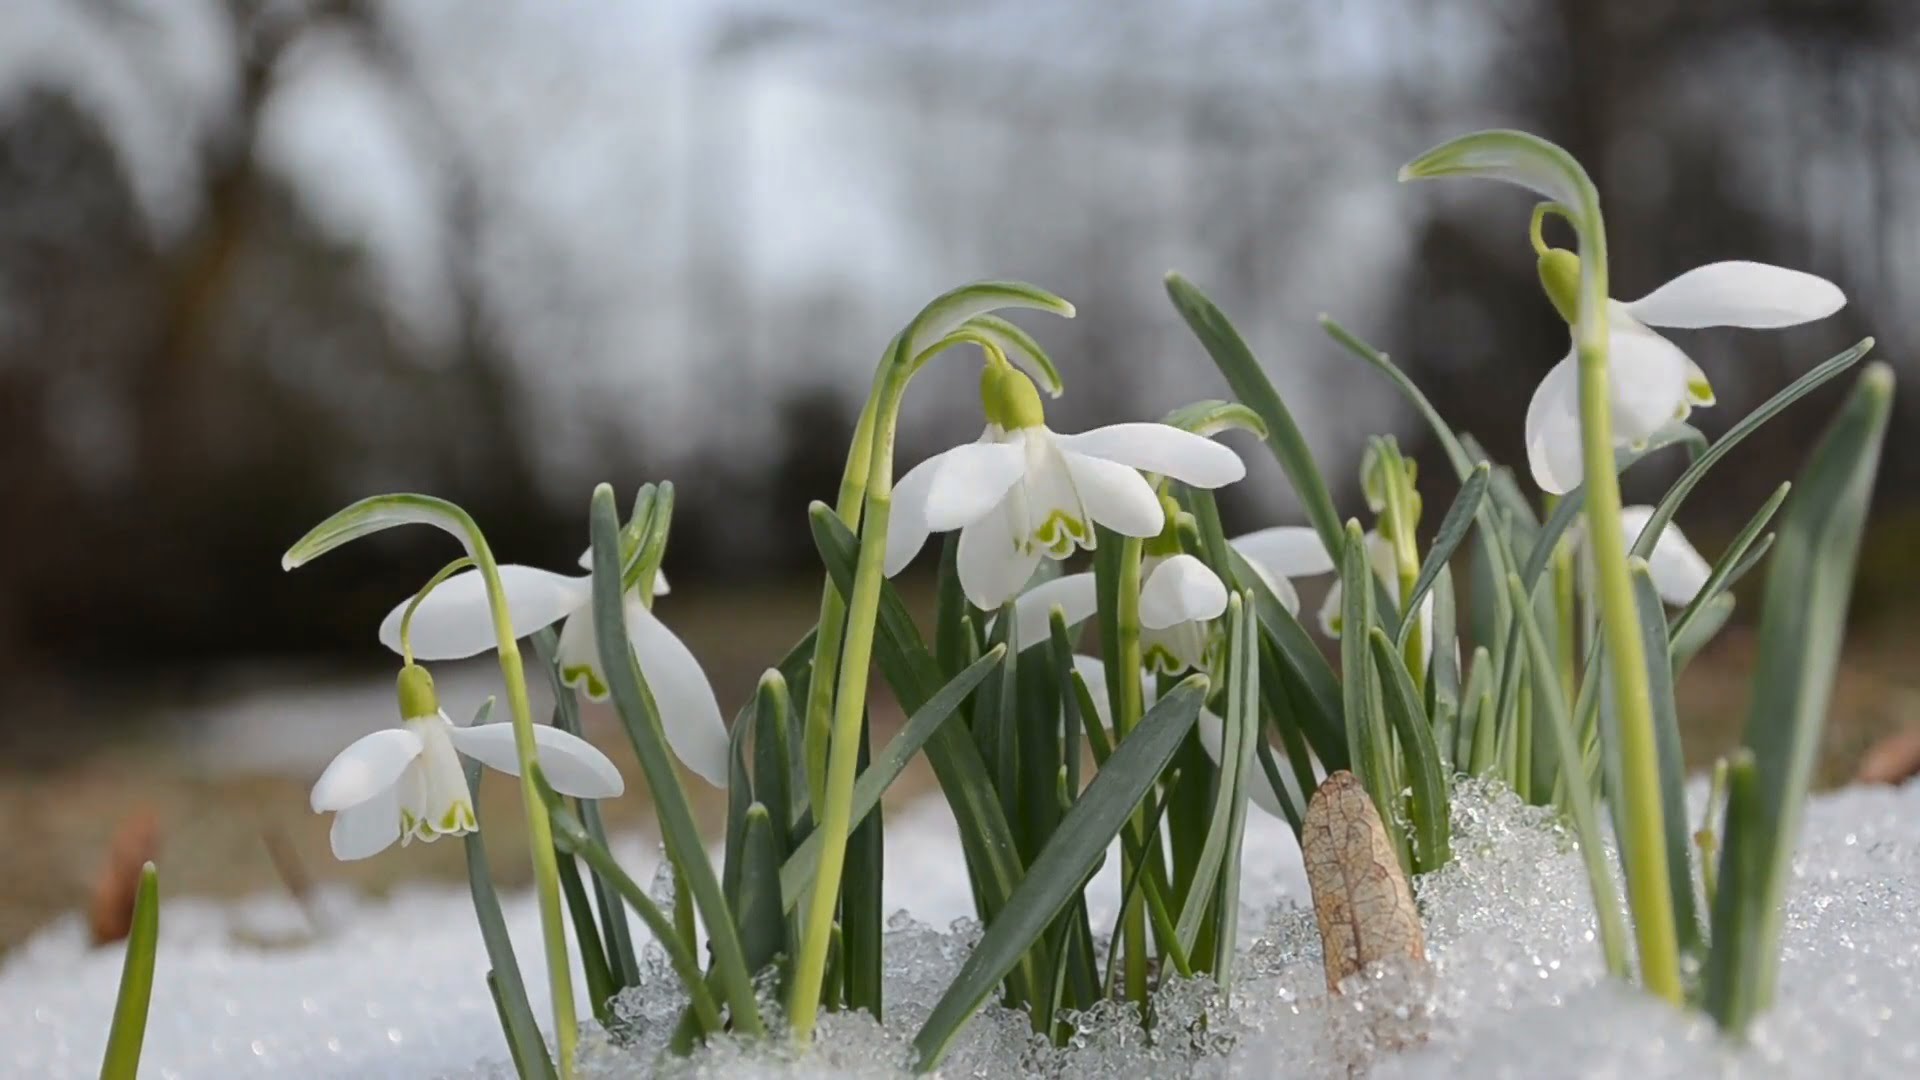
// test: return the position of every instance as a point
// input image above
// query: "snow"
(393, 987)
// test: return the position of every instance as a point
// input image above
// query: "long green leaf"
(1580, 801)
(634, 703)
(1731, 561)
(1251, 385)
(1426, 776)
(1801, 627)
(763, 921)
(522, 1031)
(615, 932)
(887, 766)
(572, 836)
(1670, 502)
(1062, 869)
(593, 955)
(1367, 732)
(129, 1030)
(1242, 719)
(1230, 788)
(1672, 764)
(1453, 529)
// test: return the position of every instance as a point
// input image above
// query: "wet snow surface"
(393, 988)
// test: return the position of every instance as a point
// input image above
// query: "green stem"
(546, 871)
(848, 703)
(1643, 848)
(833, 607)
(1127, 710)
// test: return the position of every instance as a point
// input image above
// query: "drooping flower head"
(406, 783)
(1022, 491)
(1650, 381)
(454, 621)
(1179, 598)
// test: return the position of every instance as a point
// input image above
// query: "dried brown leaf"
(1360, 895)
(135, 842)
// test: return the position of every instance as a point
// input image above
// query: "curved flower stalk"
(372, 515)
(1534, 163)
(450, 623)
(1023, 491)
(1653, 382)
(406, 783)
(843, 646)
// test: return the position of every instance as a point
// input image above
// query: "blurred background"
(259, 258)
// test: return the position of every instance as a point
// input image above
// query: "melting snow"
(393, 988)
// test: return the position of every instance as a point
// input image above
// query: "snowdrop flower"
(1293, 551)
(406, 783)
(454, 621)
(1179, 596)
(1023, 491)
(1678, 571)
(1649, 379)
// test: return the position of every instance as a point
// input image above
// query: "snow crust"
(393, 987)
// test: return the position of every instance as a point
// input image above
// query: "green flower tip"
(1560, 277)
(1009, 398)
(417, 698)
(1878, 378)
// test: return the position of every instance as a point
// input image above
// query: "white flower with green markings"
(1651, 381)
(1179, 598)
(453, 622)
(407, 784)
(1024, 491)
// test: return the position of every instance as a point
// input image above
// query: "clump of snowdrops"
(1550, 667)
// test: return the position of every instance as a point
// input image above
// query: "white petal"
(688, 712)
(1181, 589)
(971, 481)
(907, 526)
(1161, 448)
(571, 764)
(370, 765)
(992, 568)
(1553, 429)
(454, 621)
(1289, 551)
(578, 656)
(1679, 572)
(1330, 611)
(1739, 293)
(1173, 650)
(1114, 495)
(434, 797)
(1212, 731)
(659, 576)
(1074, 594)
(1647, 378)
(367, 829)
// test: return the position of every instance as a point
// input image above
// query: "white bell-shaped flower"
(1179, 596)
(454, 621)
(1650, 380)
(406, 783)
(1023, 491)
(1679, 572)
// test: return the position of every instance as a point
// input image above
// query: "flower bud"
(1560, 277)
(1009, 398)
(417, 698)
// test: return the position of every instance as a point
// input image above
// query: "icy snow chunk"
(394, 988)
